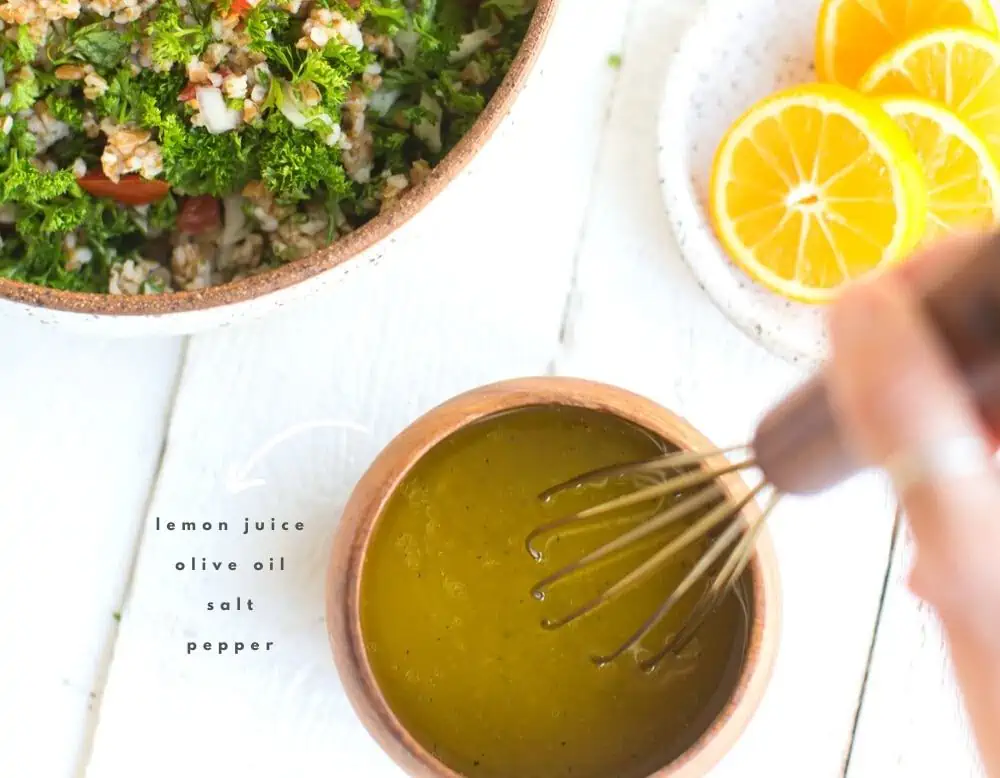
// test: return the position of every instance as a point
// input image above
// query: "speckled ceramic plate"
(734, 54)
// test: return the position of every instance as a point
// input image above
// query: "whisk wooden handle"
(798, 444)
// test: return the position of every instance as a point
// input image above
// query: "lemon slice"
(852, 34)
(816, 186)
(963, 178)
(955, 66)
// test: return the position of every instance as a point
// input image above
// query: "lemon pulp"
(816, 186)
(852, 34)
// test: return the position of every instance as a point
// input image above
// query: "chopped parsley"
(172, 41)
(196, 162)
(99, 45)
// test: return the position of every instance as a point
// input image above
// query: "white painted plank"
(474, 292)
(640, 321)
(80, 438)
(912, 721)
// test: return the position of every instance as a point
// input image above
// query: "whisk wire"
(726, 539)
(704, 525)
(713, 514)
(677, 484)
(725, 579)
(658, 522)
(675, 459)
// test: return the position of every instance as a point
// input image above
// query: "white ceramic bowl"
(734, 54)
(252, 297)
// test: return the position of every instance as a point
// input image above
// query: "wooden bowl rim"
(349, 247)
(395, 461)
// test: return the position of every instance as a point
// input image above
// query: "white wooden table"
(550, 255)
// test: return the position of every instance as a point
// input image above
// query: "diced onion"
(334, 136)
(234, 220)
(382, 100)
(430, 131)
(218, 116)
(473, 41)
(407, 40)
(291, 109)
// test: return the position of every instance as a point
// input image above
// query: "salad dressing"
(453, 634)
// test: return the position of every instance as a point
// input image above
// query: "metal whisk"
(798, 449)
(676, 473)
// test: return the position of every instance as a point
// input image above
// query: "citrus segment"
(852, 34)
(963, 178)
(957, 67)
(813, 187)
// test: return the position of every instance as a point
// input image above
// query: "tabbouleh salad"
(160, 145)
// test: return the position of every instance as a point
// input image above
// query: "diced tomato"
(199, 214)
(188, 93)
(131, 190)
(239, 7)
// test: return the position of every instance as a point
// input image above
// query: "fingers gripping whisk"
(702, 510)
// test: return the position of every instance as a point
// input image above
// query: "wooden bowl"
(391, 466)
(188, 311)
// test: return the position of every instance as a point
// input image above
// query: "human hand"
(896, 394)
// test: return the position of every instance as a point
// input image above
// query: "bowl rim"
(380, 481)
(349, 247)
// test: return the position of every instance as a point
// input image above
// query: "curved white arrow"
(238, 478)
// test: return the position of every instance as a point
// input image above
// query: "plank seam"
(93, 720)
(896, 530)
(571, 300)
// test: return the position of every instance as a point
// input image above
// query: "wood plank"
(473, 293)
(80, 440)
(638, 319)
(912, 721)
